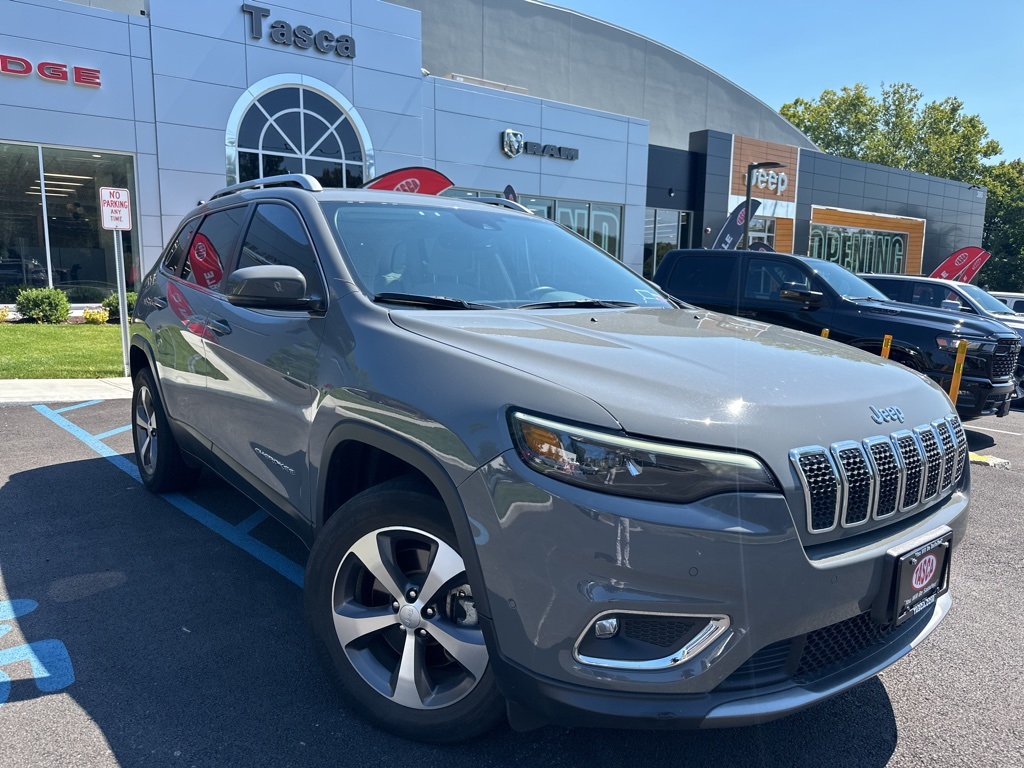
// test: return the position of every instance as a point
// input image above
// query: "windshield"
(485, 257)
(985, 300)
(845, 283)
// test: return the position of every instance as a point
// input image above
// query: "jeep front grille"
(850, 483)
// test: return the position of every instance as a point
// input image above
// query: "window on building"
(762, 230)
(663, 231)
(295, 129)
(50, 233)
(601, 223)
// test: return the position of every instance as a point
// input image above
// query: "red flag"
(422, 181)
(962, 265)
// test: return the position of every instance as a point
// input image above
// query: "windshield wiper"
(579, 304)
(431, 302)
(865, 298)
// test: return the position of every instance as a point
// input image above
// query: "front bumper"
(558, 703)
(980, 397)
(553, 557)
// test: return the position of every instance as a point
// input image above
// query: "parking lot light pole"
(751, 169)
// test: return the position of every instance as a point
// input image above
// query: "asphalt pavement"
(167, 631)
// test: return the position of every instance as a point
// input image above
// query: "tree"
(937, 138)
(896, 130)
(1004, 227)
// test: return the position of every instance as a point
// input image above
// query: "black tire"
(156, 451)
(437, 696)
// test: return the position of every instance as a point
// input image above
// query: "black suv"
(813, 295)
(529, 478)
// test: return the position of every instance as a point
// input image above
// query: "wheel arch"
(358, 456)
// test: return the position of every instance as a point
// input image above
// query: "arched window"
(288, 125)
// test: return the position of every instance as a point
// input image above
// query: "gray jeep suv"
(533, 483)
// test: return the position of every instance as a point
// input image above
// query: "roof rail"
(502, 202)
(301, 180)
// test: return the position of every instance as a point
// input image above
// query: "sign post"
(116, 213)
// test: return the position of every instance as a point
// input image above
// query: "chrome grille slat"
(891, 475)
(850, 483)
(948, 446)
(933, 457)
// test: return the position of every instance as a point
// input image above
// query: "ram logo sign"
(513, 144)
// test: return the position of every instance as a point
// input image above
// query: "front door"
(762, 281)
(262, 405)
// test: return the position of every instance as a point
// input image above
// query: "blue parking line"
(237, 535)
(251, 521)
(78, 405)
(113, 432)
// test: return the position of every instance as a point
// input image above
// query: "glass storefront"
(50, 233)
(663, 231)
(601, 223)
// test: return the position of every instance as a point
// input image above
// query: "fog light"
(606, 628)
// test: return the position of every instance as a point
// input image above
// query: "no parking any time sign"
(115, 208)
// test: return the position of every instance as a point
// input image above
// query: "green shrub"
(95, 315)
(8, 293)
(44, 305)
(111, 304)
(85, 294)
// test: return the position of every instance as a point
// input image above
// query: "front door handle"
(218, 326)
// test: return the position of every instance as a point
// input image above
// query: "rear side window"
(212, 247)
(176, 250)
(276, 236)
(703, 277)
(766, 279)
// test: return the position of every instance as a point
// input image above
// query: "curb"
(989, 461)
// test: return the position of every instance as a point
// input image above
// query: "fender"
(435, 474)
(897, 346)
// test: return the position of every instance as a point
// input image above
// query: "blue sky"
(781, 50)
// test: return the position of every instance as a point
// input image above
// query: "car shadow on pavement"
(185, 650)
(978, 441)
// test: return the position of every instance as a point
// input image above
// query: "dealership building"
(630, 143)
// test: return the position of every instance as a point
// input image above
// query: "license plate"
(919, 573)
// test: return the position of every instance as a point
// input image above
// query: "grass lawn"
(29, 351)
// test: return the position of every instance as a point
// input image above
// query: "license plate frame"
(915, 575)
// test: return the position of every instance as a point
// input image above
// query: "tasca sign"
(115, 208)
(297, 35)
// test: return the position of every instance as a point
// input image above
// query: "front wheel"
(393, 619)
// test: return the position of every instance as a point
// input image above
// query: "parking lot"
(138, 630)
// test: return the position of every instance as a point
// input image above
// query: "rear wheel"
(160, 462)
(393, 619)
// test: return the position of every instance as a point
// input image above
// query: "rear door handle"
(218, 326)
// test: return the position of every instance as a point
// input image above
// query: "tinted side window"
(927, 295)
(765, 279)
(176, 250)
(276, 236)
(703, 276)
(212, 247)
(890, 288)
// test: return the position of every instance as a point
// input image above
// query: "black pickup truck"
(812, 295)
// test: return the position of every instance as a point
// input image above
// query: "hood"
(941, 320)
(695, 376)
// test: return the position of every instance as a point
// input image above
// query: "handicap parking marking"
(49, 661)
(67, 408)
(236, 534)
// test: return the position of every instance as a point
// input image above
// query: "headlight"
(626, 466)
(949, 343)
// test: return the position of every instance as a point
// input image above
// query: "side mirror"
(952, 304)
(269, 286)
(794, 292)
